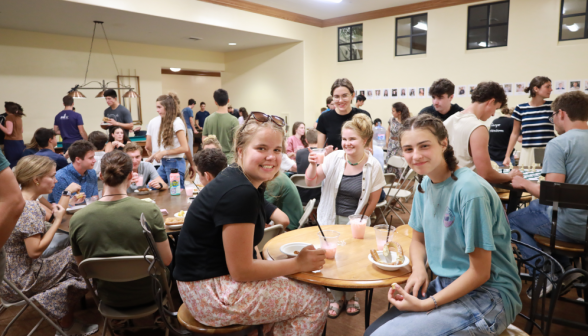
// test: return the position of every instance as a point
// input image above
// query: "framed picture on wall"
(421, 92)
(369, 94)
(575, 85)
(386, 94)
(394, 92)
(378, 94)
(461, 91)
(412, 92)
(560, 86)
(585, 86)
(507, 89)
(362, 92)
(403, 93)
(471, 89)
(520, 88)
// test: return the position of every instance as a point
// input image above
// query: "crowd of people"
(460, 225)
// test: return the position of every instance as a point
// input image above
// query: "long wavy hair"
(171, 104)
(295, 129)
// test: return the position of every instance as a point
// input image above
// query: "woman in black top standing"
(219, 276)
(500, 131)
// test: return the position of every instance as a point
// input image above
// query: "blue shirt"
(322, 113)
(457, 217)
(68, 122)
(188, 113)
(567, 155)
(201, 116)
(59, 159)
(536, 128)
(69, 175)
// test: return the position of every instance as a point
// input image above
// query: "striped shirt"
(536, 128)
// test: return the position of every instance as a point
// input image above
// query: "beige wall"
(200, 88)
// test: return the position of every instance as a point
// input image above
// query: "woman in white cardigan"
(353, 182)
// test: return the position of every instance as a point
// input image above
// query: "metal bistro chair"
(385, 207)
(539, 154)
(305, 190)
(307, 211)
(269, 233)
(402, 190)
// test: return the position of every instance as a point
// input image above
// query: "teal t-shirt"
(458, 216)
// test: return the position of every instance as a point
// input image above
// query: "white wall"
(199, 88)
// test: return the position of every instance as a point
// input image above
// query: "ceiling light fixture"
(75, 93)
(176, 69)
(232, 43)
(482, 44)
(573, 28)
(194, 38)
(421, 25)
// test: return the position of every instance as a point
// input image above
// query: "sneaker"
(79, 329)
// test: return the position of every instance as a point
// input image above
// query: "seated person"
(461, 230)
(32, 147)
(52, 282)
(282, 192)
(469, 136)
(288, 165)
(117, 139)
(149, 174)
(110, 227)
(217, 269)
(211, 142)
(99, 140)
(301, 165)
(47, 140)
(79, 171)
(564, 162)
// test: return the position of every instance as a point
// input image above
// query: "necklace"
(355, 164)
(113, 195)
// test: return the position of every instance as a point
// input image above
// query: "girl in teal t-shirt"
(460, 228)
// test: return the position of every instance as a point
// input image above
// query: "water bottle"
(380, 136)
(174, 183)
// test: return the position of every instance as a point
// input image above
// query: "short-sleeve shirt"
(500, 131)
(431, 110)
(201, 117)
(69, 175)
(120, 114)
(153, 131)
(149, 174)
(188, 113)
(112, 229)
(567, 155)
(3, 122)
(330, 124)
(68, 121)
(536, 128)
(457, 217)
(59, 159)
(228, 199)
(3, 162)
(223, 125)
(283, 193)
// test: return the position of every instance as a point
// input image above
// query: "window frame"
(411, 34)
(488, 25)
(350, 43)
(562, 16)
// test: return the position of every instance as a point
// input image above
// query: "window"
(488, 25)
(573, 20)
(350, 45)
(411, 35)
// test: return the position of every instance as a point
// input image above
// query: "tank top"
(17, 127)
(459, 129)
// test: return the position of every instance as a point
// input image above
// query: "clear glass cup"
(329, 242)
(320, 155)
(358, 224)
(382, 233)
(189, 191)
(140, 181)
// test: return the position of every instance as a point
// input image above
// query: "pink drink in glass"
(381, 233)
(358, 223)
(140, 180)
(189, 191)
(320, 155)
(329, 242)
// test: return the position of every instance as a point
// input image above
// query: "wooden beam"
(190, 73)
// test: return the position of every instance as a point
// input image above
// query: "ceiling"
(327, 9)
(69, 18)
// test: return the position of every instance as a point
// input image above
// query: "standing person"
(442, 91)
(330, 123)
(69, 124)
(188, 113)
(220, 279)
(117, 139)
(330, 106)
(53, 282)
(146, 169)
(360, 100)
(533, 120)
(47, 140)
(166, 139)
(500, 131)
(3, 122)
(234, 111)
(13, 142)
(297, 141)
(117, 113)
(201, 116)
(353, 182)
(461, 229)
(243, 115)
(99, 140)
(400, 114)
(222, 124)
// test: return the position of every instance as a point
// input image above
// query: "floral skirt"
(294, 307)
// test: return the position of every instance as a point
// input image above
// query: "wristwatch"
(66, 193)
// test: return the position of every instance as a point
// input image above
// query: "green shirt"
(223, 125)
(282, 192)
(113, 229)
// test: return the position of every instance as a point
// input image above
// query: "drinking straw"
(319, 226)
(325, 145)
(364, 210)
(388, 235)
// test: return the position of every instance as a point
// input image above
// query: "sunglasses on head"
(263, 118)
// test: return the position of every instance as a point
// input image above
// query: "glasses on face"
(343, 97)
(552, 116)
(263, 118)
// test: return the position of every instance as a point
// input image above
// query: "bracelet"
(310, 179)
(434, 301)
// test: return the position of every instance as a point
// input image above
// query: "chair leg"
(259, 330)
(35, 328)
(14, 319)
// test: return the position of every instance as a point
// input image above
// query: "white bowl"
(177, 214)
(290, 248)
(387, 267)
(174, 226)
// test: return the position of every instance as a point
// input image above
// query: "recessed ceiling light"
(175, 69)
(573, 28)
(335, 1)
(194, 38)
(232, 43)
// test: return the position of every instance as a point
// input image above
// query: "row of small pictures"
(511, 89)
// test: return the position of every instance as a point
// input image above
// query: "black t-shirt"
(330, 124)
(302, 160)
(3, 122)
(500, 131)
(269, 210)
(431, 110)
(229, 198)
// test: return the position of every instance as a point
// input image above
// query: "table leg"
(513, 200)
(368, 305)
(325, 328)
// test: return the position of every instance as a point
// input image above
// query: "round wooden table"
(351, 269)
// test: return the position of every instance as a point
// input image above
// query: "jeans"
(533, 220)
(13, 151)
(480, 312)
(191, 140)
(166, 167)
(66, 146)
(512, 160)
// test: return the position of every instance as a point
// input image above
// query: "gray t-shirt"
(348, 194)
(149, 173)
(567, 155)
(120, 114)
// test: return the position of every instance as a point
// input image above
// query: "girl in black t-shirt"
(219, 276)
(117, 139)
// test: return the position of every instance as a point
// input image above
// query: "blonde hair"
(131, 147)
(32, 166)
(171, 103)
(362, 125)
(211, 140)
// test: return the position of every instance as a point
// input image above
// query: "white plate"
(288, 249)
(387, 267)
(177, 214)
(75, 208)
(174, 226)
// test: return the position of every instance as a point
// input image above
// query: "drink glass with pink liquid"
(358, 223)
(381, 233)
(320, 155)
(140, 180)
(330, 243)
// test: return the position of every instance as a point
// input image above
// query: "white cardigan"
(333, 167)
